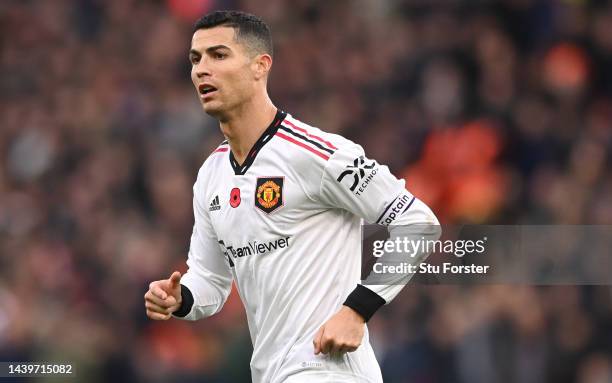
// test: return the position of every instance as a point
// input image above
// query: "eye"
(219, 56)
(194, 59)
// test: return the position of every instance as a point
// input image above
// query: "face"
(222, 71)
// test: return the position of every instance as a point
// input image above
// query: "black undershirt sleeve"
(365, 301)
(186, 303)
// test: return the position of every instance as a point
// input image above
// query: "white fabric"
(291, 291)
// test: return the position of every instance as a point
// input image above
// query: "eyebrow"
(209, 49)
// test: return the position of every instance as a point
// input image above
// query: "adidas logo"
(214, 205)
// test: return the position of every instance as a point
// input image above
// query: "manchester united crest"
(269, 193)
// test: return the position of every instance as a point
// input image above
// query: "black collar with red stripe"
(263, 139)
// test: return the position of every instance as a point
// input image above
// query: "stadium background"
(493, 111)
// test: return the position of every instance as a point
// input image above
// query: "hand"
(164, 297)
(341, 333)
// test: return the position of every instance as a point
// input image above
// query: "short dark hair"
(248, 28)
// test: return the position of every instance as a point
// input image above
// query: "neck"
(243, 126)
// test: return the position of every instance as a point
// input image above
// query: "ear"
(261, 65)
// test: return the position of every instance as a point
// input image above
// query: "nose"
(201, 69)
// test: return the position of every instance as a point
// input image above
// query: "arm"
(202, 291)
(208, 281)
(416, 223)
(367, 189)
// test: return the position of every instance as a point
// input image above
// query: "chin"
(211, 109)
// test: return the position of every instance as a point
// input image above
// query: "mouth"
(206, 89)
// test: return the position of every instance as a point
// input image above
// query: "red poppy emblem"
(235, 197)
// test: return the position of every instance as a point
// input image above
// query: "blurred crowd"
(494, 112)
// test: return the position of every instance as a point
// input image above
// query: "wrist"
(354, 315)
(186, 303)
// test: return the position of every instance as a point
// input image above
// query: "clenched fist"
(341, 333)
(164, 297)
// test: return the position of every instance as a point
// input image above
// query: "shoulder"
(315, 143)
(213, 161)
(312, 153)
(216, 156)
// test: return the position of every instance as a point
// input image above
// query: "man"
(278, 209)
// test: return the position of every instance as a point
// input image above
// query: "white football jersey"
(285, 227)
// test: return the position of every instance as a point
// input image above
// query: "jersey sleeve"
(208, 281)
(353, 182)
